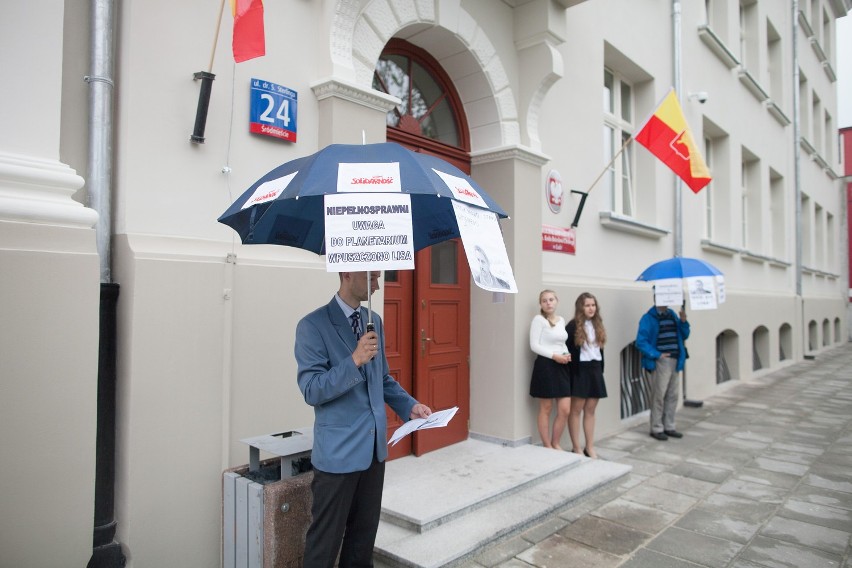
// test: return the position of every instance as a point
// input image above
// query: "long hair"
(540, 296)
(580, 319)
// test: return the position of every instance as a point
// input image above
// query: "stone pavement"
(761, 478)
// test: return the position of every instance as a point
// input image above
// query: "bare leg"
(563, 408)
(544, 407)
(574, 423)
(589, 425)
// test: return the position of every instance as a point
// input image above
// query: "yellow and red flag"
(249, 41)
(668, 137)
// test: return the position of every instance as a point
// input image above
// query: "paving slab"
(820, 496)
(770, 552)
(702, 472)
(754, 491)
(739, 508)
(807, 534)
(605, 535)
(709, 522)
(665, 500)
(635, 515)
(815, 514)
(561, 552)
(645, 558)
(685, 485)
(695, 547)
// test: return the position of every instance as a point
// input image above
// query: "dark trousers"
(346, 507)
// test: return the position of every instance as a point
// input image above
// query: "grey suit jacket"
(349, 402)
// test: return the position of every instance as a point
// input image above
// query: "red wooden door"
(442, 342)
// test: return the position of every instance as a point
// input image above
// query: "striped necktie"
(356, 324)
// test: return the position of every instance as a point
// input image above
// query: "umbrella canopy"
(285, 206)
(678, 267)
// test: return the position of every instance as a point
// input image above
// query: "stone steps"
(442, 508)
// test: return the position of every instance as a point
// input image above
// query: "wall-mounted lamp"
(701, 96)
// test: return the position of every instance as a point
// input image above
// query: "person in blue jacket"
(343, 373)
(660, 339)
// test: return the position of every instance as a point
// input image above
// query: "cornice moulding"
(327, 88)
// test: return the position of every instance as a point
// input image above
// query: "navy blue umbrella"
(679, 267)
(285, 206)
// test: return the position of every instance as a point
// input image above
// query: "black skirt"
(550, 379)
(587, 381)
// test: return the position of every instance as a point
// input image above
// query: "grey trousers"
(665, 390)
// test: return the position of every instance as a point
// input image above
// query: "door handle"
(423, 340)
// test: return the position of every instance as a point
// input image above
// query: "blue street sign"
(273, 110)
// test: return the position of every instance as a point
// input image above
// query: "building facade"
(517, 91)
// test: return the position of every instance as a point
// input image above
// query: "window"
(751, 202)
(816, 123)
(778, 212)
(618, 129)
(804, 114)
(708, 191)
(748, 35)
(807, 230)
(716, 12)
(831, 259)
(744, 203)
(774, 63)
(430, 107)
(635, 386)
(815, 19)
(819, 236)
(720, 221)
(828, 144)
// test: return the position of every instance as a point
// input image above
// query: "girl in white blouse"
(550, 376)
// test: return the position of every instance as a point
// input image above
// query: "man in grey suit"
(343, 374)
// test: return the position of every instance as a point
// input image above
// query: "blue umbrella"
(285, 206)
(679, 267)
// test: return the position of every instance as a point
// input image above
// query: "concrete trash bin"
(266, 505)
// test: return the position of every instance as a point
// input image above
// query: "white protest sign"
(368, 232)
(720, 288)
(668, 292)
(368, 177)
(269, 190)
(483, 245)
(461, 189)
(702, 293)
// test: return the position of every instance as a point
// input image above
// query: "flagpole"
(612, 161)
(216, 36)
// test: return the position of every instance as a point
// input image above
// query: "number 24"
(283, 113)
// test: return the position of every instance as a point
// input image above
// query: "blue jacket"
(349, 402)
(649, 330)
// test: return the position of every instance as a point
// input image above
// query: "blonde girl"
(550, 376)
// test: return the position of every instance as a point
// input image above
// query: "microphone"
(371, 327)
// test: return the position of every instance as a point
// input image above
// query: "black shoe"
(659, 436)
(673, 434)
(586, 453)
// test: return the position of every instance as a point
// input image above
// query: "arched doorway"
(427, 310)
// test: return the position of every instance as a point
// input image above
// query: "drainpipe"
(106, 552)
(797, 176)
(678, 186)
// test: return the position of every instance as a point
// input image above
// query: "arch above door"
(359, 36)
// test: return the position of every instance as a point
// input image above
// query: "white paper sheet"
(435, 420)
